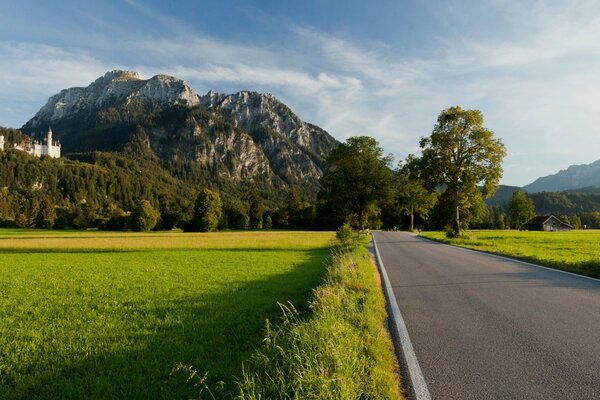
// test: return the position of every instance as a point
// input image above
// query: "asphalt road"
(489, 328)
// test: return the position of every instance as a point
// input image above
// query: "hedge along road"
(484, 327)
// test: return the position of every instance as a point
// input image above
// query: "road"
(483, 327)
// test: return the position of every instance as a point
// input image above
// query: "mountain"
(223, 138)
(574, 177)
(502, 196)
(293, 147)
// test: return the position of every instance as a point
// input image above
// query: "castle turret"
(49, 137)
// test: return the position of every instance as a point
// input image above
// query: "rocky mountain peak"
(252, 111)
(120, 75)
(114, 87)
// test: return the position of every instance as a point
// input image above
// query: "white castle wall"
(50, 148)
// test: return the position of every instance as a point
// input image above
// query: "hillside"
(222, 138)
(574, 177)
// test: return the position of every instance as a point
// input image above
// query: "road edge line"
(509, 258)
(415, 375)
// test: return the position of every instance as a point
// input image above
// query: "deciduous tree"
(144, 217)
(356, 177)
(521, 209)
(207, 211)
(459, 156)
(412, 196)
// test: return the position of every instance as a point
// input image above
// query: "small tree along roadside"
(459, 156)
(412, 196)
(521, 209)
(356, 178)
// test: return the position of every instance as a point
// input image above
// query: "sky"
(382, 68)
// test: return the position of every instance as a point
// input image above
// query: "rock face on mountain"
(114, 87)
(236, 136)
(294, 148)
(574, 177)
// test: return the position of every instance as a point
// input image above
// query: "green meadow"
(110, 315)
(573, 251)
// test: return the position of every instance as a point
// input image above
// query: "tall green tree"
(459, 156)
(293, 207)
(356, 178)
(144, 217)
(521, 209)
(412, 196)
(207, 211)
(256, 207)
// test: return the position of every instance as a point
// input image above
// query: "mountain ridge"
(237, 136)
(572, 178)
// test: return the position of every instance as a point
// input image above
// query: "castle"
(38, 149)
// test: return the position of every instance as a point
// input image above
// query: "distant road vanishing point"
(485, 327)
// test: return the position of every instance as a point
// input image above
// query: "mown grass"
(573, 251)
(100, 315)
(341, 351)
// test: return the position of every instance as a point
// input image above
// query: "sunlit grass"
(77, 240)
(109, 315)
(575, 251)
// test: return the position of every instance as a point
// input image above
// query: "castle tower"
(49, 137)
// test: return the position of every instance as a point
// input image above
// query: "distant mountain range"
(224, 137)
(574, 177)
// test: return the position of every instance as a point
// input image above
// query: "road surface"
(483, 327)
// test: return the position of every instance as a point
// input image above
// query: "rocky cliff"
(224, 136)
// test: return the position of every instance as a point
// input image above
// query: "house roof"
(542, 219)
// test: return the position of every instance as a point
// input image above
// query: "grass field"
(574, 251)
(109, 315)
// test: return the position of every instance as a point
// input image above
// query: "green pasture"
(574, 251)
(100, 315)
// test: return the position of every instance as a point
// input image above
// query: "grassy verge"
(100, 315)
(574, 251)
(341, 351)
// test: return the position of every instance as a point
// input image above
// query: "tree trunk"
(361, 220)
(412, 219)
(456, 222)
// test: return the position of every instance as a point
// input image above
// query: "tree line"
(444, 188)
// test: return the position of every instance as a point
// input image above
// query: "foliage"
(459, 155)
(521, 209)
(411, 194)
(341, 351)
(144, 217)
(110, 315)
(574, 251)
(356, 178)
(256, 207)
(207, 211)
(345, 234)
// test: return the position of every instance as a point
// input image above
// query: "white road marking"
(414, 370)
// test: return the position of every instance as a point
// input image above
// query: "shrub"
(345, 234)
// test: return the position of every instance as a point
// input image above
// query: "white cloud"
(536, 85)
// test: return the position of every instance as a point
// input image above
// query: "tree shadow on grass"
(214, 333)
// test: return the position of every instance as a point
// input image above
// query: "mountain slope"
(221, 137)
(574, 177)
(289, 143)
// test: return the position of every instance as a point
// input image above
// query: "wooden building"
(547, 223)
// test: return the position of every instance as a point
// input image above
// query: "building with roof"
(548, 223)
(47, 148)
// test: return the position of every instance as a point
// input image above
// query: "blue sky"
(379, 68)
